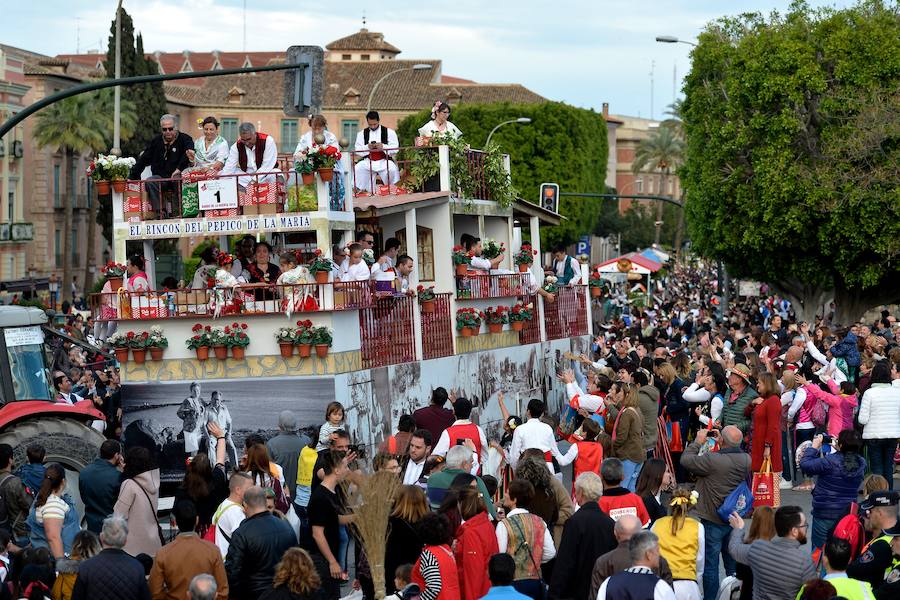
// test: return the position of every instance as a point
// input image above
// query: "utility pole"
(117, 92)
(652, 70)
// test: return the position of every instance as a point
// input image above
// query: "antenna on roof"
(77, 35)
(245, 25)
(364, 19)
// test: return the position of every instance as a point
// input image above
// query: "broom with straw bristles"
(372, 504)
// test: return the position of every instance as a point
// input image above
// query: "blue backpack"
(739, 501)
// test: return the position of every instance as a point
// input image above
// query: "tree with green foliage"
(562, 144)
(145, 102)
(791, 176)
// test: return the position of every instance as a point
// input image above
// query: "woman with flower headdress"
(439, 123)
(227, 285)
(298, 297)
(681, 542)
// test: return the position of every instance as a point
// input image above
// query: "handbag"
(739, 501)
(764, 487)
(159, 531)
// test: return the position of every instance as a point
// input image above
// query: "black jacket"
(161, 160)
(257, 545)
(111, 575)
(587, 535)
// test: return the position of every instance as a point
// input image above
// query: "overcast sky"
(584, 52)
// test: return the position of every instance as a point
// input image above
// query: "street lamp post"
(522, 120)
(415, 67)
(671, 39)
(117, 91)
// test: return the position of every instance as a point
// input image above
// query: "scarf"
(200, 150)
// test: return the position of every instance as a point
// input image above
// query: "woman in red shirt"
(766, 440)
(476, 543)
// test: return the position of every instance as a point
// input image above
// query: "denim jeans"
(881, 458)
(787, 457)
(632, 470)
(717, 537)
(819, 533)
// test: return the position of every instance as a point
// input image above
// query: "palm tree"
(663, 151)
(75, 125)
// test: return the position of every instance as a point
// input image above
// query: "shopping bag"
(764, 486)
(150, 307)
(739, 501)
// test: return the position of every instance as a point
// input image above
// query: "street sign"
(303, 86)
(583, 246)
(216, 194)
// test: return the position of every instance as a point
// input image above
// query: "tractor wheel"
(66, 441)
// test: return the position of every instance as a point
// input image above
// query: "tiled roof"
(363, 40)
(406, 90)
(451, 79)
(172, 62)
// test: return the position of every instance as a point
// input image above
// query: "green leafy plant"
(550, 285)
(305, 332)
(425, 294)
(156, 339)
(595, 280)
(525, 256)
(200, 337)
(468, 317)
(320, 262)
(490, 249)
(138, 341)
(322, 336)
(521, 312)
(461, 256)
(498, 315)
(118, 340)
(286, 335)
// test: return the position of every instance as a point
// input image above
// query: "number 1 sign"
(216, 194)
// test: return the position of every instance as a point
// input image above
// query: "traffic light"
(550, 196)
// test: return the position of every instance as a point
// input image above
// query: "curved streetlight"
(415, 67)
(522, 120)
(671, 39)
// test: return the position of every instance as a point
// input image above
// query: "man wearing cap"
(876, 560)
(891, 587)
(738, 395)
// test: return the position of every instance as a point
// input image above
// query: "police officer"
(876, 560)
(891, 587)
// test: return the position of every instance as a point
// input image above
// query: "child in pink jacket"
(841, 402)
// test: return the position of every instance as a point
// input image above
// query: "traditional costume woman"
(297, 296)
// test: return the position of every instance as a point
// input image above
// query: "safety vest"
(590, 455)
(306, 465)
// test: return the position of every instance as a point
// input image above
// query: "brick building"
(629, 134)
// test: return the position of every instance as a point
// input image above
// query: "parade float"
(384, 350)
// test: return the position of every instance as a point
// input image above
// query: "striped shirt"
(431, 573)
(54, 508)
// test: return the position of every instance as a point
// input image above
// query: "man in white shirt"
(230, 512)
(375, 147)
(461, 431)
(534, 433)
(419, 449)
(388, 258)
(472, 245)
(64, 386)
(252, 153)
(404, 269)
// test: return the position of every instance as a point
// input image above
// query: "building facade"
(629, 134)
(15, 231)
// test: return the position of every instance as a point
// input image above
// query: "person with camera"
(839, 477)
(718, 474)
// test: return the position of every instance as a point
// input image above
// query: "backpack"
(819, 414)
(850, 529)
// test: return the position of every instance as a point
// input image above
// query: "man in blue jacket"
(99, 484)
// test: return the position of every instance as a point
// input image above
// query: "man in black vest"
(167, 155)
(375, 148)
(252, 153)
(638, 581)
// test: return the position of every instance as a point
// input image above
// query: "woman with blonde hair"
(681, 542)
(403, 543)
(295, 578)
(627, 434)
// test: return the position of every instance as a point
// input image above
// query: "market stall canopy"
(655, 255)
(630, 263)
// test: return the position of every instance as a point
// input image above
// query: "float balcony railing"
(437, 329)
(249, 300)
(567, 315)
(480, 285)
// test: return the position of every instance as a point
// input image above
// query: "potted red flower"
(426, 298)
(304, 336)
(496, 318)
(200, 341)
(115, 275)
(524, 258)
(237, 339)
(468, 321)
(462, 259)
(325, 158)
(518, 314)
(138, 343)
(595, 282)
(320, 267)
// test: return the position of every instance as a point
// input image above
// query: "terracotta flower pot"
(322, 350)
(102, 187)
(304, 350)
(428, 306)
(325, 174)
(466, 332)
(221, 352)
(287, 349)
(321, 276)
(238, 352)
(156, 354)
(202, 353)
(122, 355)
(461, 270)
(118, 186)
(495, 327)
(139, 355)
(517, 325)
(596, 292)
(115, 283)
(523, 268)
(476, 331)
(308, 178)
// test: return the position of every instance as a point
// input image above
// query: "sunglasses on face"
(168, 129)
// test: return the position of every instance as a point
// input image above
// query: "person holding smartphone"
(375, 149)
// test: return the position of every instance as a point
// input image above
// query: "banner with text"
(218, 226)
